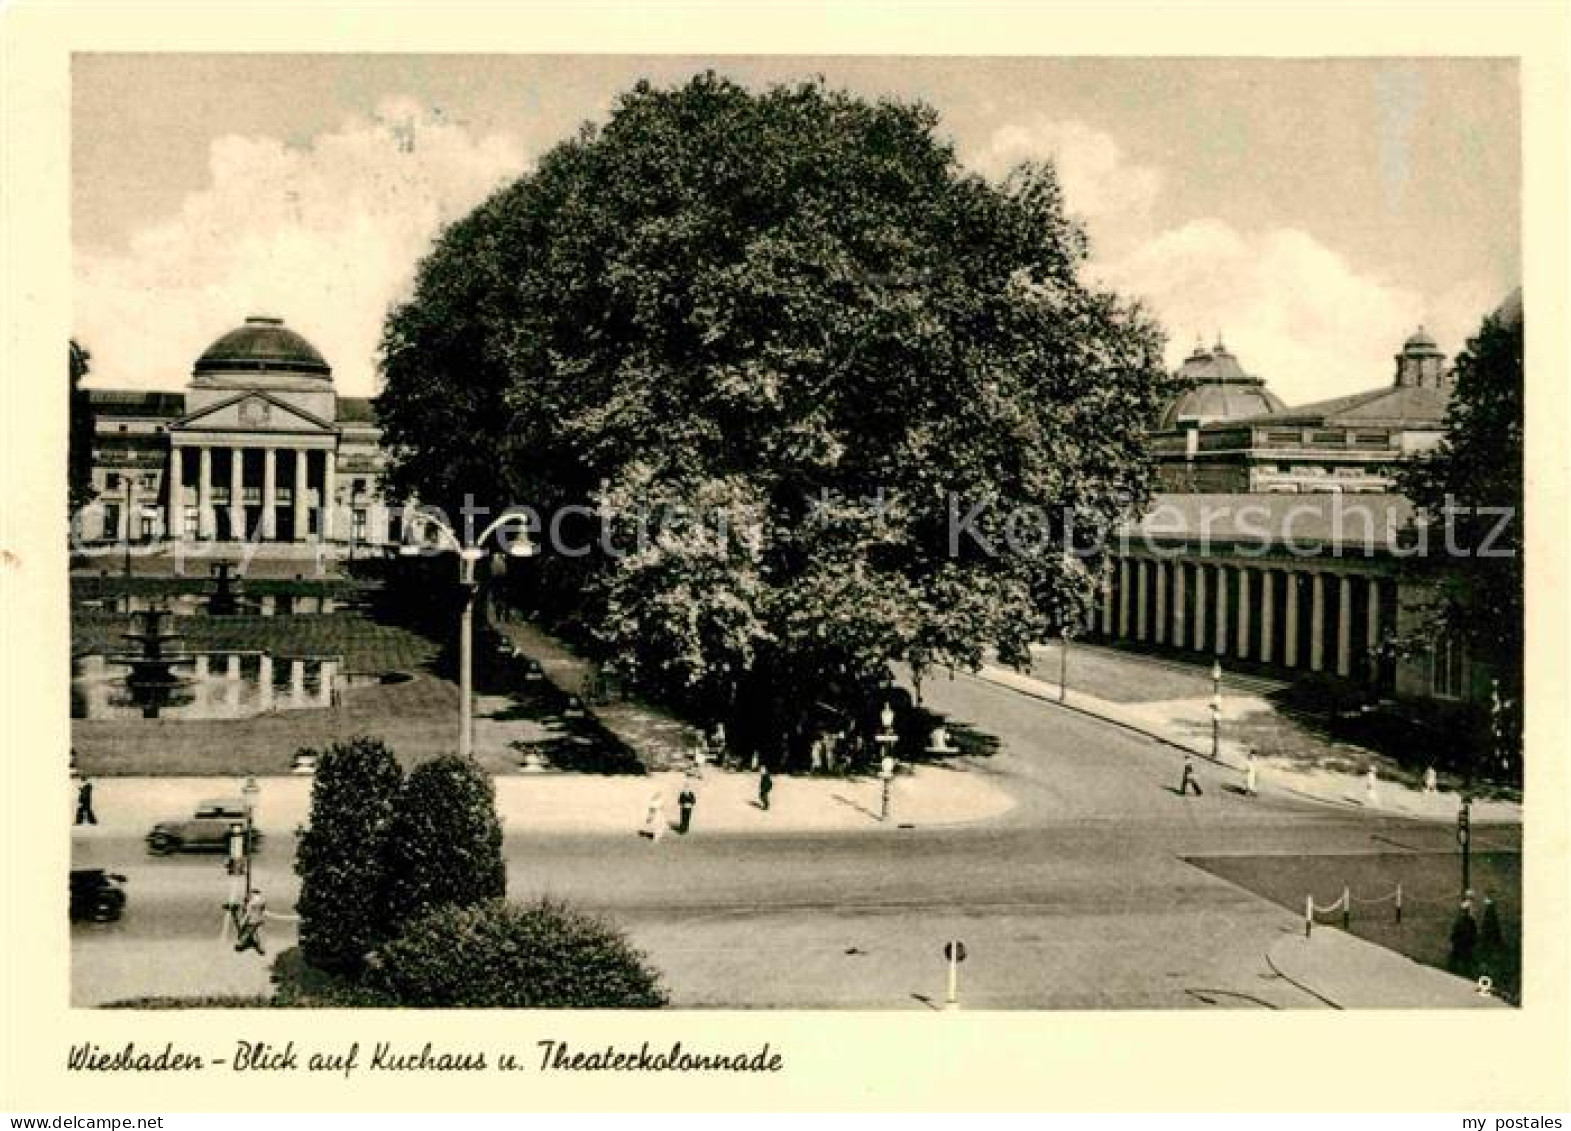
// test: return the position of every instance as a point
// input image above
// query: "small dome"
(1217, 388)
(263, 345)
(1420, 342)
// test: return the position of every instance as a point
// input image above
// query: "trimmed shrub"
(299, 985)
(444, 843)
(500, 955)
(339, 855)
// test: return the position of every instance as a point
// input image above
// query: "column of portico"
(174, 519)
(1374, 628)
(1178, 604)
(1243, 613)
(237, 528)
(1160, 567)
(329, 492)
(1126, 571)
(1290, 597)
(300, 495)
(1200, 607)
(1344, 627)
(1317, 621)
(1267, 613)
(204, 492)
(1221, 610)
(1107, 601)
(269, 493)
(1141, 624)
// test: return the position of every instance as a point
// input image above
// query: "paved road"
(1078, 898)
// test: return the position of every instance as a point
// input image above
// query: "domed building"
(259, 449)
(1215, 387)
(1227, 433)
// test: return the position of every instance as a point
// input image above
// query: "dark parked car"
(96, 895)
(206, 831)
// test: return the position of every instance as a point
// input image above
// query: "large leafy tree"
(793, 315)
(1470, 489)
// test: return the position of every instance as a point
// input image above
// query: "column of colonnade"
(1262, 616)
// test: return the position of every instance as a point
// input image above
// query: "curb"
(985, 675)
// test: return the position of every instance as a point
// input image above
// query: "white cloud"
(1294, 311)
(326, 237)
(1109, 193)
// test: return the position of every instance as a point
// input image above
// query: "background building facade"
(259, 449)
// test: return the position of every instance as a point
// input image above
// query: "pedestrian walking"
(1250, 779)
(84, 804)
(686, 801)
(1371, 794)
(1431, 780)
(766, 786)
(1189, 780)
(251, 919)
(654, 819)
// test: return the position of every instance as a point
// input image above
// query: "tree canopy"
(793, 317)
(1471, 489)
(80, 468)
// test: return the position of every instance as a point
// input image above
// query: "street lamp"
(1216, 710)
(130, 498)
(886, 740)
(468, 555)
(1065, 635)
(249, 791)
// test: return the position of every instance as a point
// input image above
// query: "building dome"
(1420, 343)
(263, 351)
(1216, 387)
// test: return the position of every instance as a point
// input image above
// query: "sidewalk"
(1185, 724)
(586, 803)
(659, 740)
(1350, 973)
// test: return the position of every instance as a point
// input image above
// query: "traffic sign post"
(955, 954)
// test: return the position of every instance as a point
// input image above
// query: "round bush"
(501, 955)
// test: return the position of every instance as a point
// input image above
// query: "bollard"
(1309, 915)
(1347, 908)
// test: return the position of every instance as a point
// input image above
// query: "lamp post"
(130, 498)
(1065, 635)
(468, 555)
(886, 740)
(249, 791)
(1216, 710)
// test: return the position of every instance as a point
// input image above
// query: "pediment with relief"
(252, 412)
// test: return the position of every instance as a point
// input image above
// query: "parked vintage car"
(205, 831)
(96, 895)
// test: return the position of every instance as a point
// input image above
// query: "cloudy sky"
(1312, 212)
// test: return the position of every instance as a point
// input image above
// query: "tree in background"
(340, 852)
(500, 955)
(778, 346)
(443, 844)
(1472, 483)
(80, 468)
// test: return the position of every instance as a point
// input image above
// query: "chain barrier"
(1344, 904)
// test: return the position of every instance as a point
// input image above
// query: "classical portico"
(258, 449)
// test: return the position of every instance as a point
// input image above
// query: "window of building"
(112, 481)
(1374, 439)
(149, 529)
(1279, 437)
(111, 520)
(1329, 437)
(358, 525)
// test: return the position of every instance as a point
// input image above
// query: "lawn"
(1430, 883)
